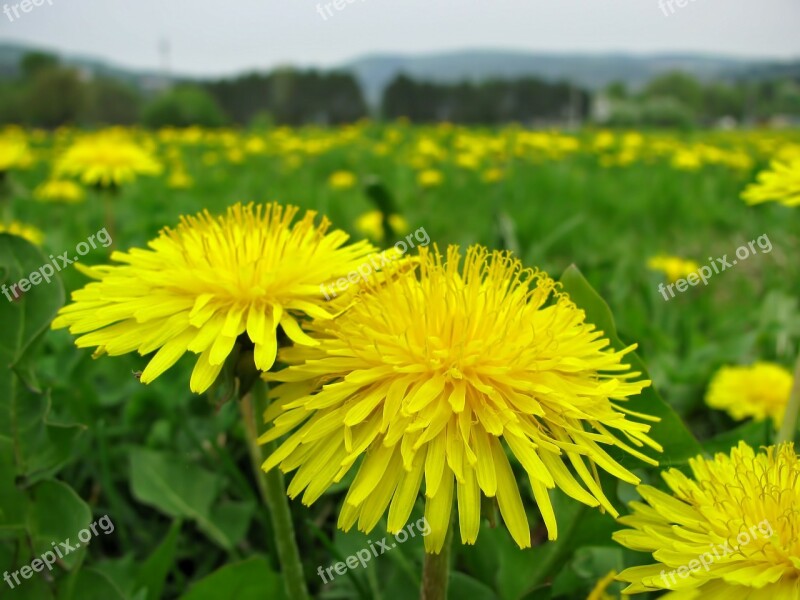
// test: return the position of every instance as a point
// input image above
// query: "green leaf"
(251, 579)
(90, 584)
(24, 318)
(755, 433)
(57, 514)
(678, 442)
(464, 586)
(153, 573)
(178, 489)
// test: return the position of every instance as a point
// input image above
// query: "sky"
(214, 37)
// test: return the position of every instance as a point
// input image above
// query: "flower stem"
(789, 426)
(273, 491)
(436, 571)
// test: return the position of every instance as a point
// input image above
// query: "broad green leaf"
(678, 442)
(755, 433)
(464, 586)
(90, 584)
(177, 488)
(56, 516)
(252, 579)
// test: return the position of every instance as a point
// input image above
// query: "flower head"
(342, 180)
(371, 225)
(728, 531)
(430, 178)
(106, 159)
(212, 279)
(759, 391)
(28, 232)
(14, 152)
(59, 190)
(430, 373)
(779, 183)
(673, 267)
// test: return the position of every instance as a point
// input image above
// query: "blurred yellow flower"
(59, 190)
(370, 224)
(342, 180)
(728, 531)
(493, 175)
(430, 178)
(29, 232)
(673, 267)
(179, 179)
(759, 391)
(14, 152)
(780, 183)
(107, 159)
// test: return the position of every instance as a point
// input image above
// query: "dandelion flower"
(342, 180)
(179, 179)
(673, 267)
(728, 531)
(107, 159)
(371, 225)
(780, 183)
(59, 190)
(14, 153)
(28, 232)
(207, 282)
(758, 391)
(437, 374)
(430, 178)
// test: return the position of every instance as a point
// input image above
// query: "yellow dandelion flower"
(207, 282)
(493, 175)
(342, 180)
(59, 190)
(106, 159)
(28, 232)
(758, 391)
(469, 358)
(179, 179)
(780, 183)
(728, 531)
(673, 267)
(370, 224)
(430, 178)
(14, 153)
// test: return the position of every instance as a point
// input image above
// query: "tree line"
(46, 93)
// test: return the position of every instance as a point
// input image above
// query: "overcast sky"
(213, 37)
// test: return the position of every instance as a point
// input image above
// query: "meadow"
(82, 437)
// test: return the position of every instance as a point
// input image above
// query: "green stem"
(436, 571)
(273, 490)
(789, 426)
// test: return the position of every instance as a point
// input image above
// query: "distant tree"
(111, 102)
(677, 85)
(182, 107)
(33, 63)
(55, 97)
(667, 112)
(617, 90)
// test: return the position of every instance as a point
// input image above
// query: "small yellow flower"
(107, 159)
(179, 179)
(673, 267)
(780, 183)
(728, 531)
(370, 224)
(201, 286)
(758, 391)
(342, 180)
(437, 374)
(28, 232)
(493, 175)
(59, 190)
(430, 178)
(14, 152)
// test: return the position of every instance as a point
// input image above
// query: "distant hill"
(374, 72)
